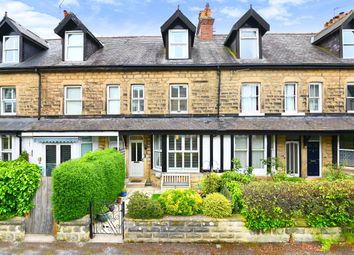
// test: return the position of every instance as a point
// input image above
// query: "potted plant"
(124, 192)
(102, 215)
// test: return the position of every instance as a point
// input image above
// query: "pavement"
(63, 248)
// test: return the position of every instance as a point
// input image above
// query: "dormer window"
(11, 49)
(178, 43)
(74, 46)
(249, 43)
(348, 43)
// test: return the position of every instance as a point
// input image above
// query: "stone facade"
(12, 230)
(204, 229)
(74, 231)
(26, 92)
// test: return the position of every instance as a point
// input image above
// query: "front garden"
(273, 203)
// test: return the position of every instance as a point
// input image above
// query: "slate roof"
(268, 124)
(278, 49)
(334, 27)
(24, 32)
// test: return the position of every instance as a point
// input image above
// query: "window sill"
(178, 112)
(8, 114)
(350, 112)
(251, 114)
(293, 114)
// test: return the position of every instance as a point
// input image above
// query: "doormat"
(136, 181)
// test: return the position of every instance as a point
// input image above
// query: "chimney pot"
(66, 13)
(205, 25)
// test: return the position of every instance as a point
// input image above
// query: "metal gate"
(41, 217)
(111, 222)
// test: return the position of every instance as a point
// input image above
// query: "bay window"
(346, 150)
(157, 156)
(241, 149)
(6, 147)
(250, 100)
(258, 151)
(11, 49)
(315, 101)
(348, 43)
(178, 44)
(183, 152)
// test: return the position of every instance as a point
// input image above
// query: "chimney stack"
(205, 26)
(66, 13)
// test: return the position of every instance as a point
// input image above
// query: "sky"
(144, 17)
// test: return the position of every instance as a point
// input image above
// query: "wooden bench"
(172, 181)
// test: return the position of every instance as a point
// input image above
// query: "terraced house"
(183, 103)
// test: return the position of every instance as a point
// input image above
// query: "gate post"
(91, 220)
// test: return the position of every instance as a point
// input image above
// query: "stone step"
(39, 238)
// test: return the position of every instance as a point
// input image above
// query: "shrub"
(330, 204)
(235, 189)
(140, 206)
(97, 177)
(217, 206)
(230, 176)
(210, 183)
(19, 181)
(181, 202)
(271, 205)
(237, 167)
(335, 172)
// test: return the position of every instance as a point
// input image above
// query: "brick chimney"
(205, 26)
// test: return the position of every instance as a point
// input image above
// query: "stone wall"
(12, 230)
(74, 231)
(205, 229)
(26, 92)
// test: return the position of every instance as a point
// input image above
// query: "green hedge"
(98, 177)
(140, 206)
(19, 181)
(216, 205)
(271, 205)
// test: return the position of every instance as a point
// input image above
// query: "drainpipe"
(39, 92)
(219, 89)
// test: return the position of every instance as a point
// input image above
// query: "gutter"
(162, 67)
(39, 92)
(219, 89)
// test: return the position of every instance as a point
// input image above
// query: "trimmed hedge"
(19, 181)
(210, 183)
(271, 205)
(97, 177)
(184, 202)
(216, 205)
(140, 206)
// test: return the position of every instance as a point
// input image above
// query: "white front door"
(56, 154)
(136, 159)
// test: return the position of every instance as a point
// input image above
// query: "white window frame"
(110, 99)
(182, 151)
(157, 167)
(12, 49)
(72, 100)
(347, 44)
(67, 33)
(319, 98)
(349, 84)
(242, 150)
(338, 153)
(249, 38)
(257, 112)
(140, 100)
(83, 141)
(171, 54)
(298, 158)
(179, 98)
(251, 151)
(12, 101)
(292, 97)
(6, 150)
(58, 154)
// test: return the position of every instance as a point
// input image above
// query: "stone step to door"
(39, 238)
